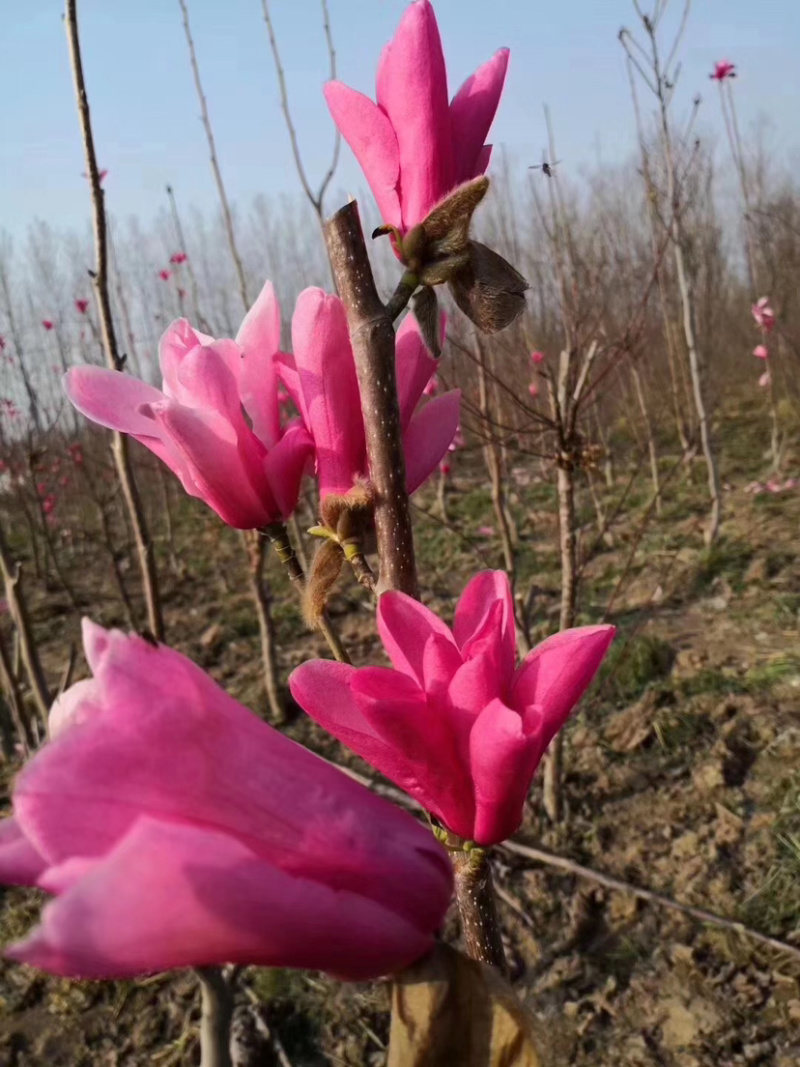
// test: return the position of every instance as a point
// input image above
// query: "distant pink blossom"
(456, 723)
(41, 488)
(764, 315)
(533, 389)
(537, 357)
(413, 146)
(165, 275)
(178, 257)
(458, 440)
(445, 468)
(174, 828)
(723, 69)
(216, 422)
(761, 352)
(485, 531)
(48, 324)
(82, 306)
(765, 379)
(48, 504)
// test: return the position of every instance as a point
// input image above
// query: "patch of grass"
(727, 558)
(631, 666)
(775, 906)
(767, 675)
(710, 682)
(677, 728)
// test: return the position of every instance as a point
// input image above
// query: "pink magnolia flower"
(414, 147)
(455, 724)
(48, 324)
(537, 357)
(486, 531)
(320, 377)
(761, 352)
(82, 306)
(533, 389)
(765, 379)
(48, 504)
(174, 828)
(764, 315)
(165, 275)
(445, 468)
(247, 470)
(723, 69)
(178, 257)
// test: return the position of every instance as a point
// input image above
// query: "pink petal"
(74, 705)
(170, 744)
(20, 862)
(474, 685)
(412, 90)
(405, 626)
(472, 112)
(288, 375)
(172, 895)
(116, 401)
(415, 366)
(259, 337)
(473, 612)
(440, 661)
(111, 398)
(555, 675)
(421, 755)
(322, 689)
(221, 469)
(502, 761)
(370, 135)
(285, 466)
(428, 436)
(178, 339)
(328, 383)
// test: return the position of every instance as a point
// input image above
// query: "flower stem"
(216, 1018)
(278, 537)
(476, 907)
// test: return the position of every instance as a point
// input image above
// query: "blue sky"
(146, 115)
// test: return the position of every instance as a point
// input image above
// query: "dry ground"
(683, 776)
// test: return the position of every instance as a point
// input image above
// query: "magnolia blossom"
(764, 315)
(761, 352)
(413, 146)
(82, 306)
(486, 531)
(174, 828)
(723, 69)
(247, 470)
(455, 724)
(178, 257)
(533, 389)
(165, 275)
(320, 377)
(48, 324)
(537, 357)
(765, 379)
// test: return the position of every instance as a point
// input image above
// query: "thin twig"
(223, 198)
(568, 866)
(144, 544)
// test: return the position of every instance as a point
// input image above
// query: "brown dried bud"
(325, 570)
(489, 290)
(425, 308)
